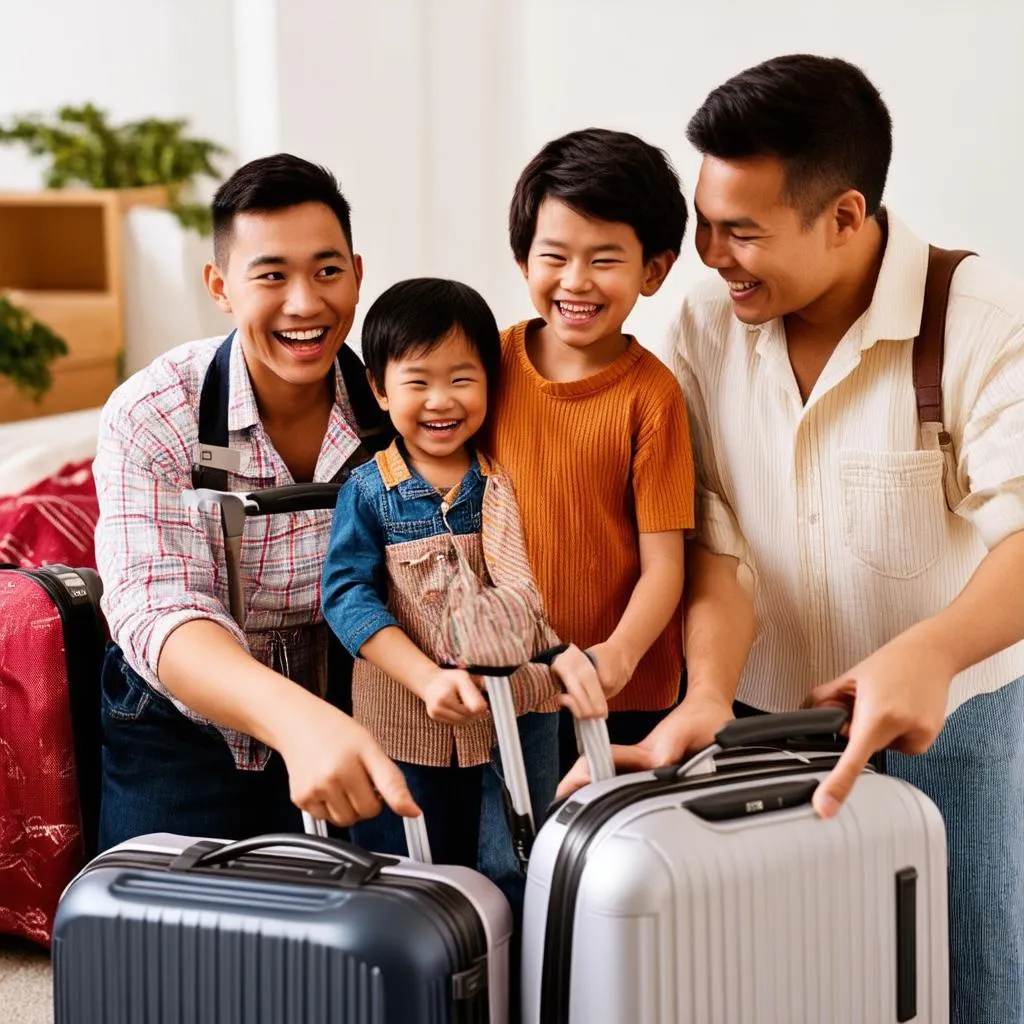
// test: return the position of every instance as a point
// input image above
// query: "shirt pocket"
(894, 510)
(402, 531)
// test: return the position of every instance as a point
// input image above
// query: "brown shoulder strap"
(930, 343)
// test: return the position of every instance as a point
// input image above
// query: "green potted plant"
(27, 348)
(83, 148)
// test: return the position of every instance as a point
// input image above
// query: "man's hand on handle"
(338, 772)
(690, 727)
(896, 699)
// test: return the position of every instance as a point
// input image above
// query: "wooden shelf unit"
(61, 260)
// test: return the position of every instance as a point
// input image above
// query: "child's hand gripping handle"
(592, 737)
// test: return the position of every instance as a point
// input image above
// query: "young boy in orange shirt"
(592, 427)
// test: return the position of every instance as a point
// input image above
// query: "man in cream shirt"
(838, 558)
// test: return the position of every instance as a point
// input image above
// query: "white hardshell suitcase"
(713, 894)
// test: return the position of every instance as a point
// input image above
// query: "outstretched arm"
(336, 770)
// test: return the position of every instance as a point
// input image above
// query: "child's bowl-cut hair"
(417, 315)
(607, 175)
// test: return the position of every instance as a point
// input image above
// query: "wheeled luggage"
(51, 647)
(280, 928)
(713, 894)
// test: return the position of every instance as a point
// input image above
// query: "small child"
(591, 427)
(416, 531)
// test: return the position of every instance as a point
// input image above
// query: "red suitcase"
(51, 648)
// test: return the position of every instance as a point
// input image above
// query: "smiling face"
(291, 283)
(774, 263)
(437, 399)
(585, 276)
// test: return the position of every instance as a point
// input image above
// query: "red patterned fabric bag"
(52, 521)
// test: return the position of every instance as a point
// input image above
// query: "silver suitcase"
(712, 893)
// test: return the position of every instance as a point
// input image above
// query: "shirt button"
(813, 518)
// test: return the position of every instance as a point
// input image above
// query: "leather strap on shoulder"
(929, 345)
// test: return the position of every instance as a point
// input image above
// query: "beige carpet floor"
(25, 983)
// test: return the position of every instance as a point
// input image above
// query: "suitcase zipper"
(571, 860)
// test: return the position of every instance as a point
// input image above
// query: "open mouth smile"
(306, 343)
(578, 312)
(441, 426)
(739, 290)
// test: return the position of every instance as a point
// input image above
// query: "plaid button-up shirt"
(162, 563)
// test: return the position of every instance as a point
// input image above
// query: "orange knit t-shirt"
(595, 462)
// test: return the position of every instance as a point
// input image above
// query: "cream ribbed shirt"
(834, 507)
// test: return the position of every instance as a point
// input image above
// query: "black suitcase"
(279, 929)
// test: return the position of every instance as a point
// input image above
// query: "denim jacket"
(389, 532)
(369, 516)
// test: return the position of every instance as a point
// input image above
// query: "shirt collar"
(394, 469)
(896, 305)
(242, 410)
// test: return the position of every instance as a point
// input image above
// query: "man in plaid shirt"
(211, 728)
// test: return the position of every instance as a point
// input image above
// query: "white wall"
(161, 58)
(427, 109)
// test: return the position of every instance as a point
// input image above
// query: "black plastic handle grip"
(363, 866)
(768, 728)
(292, 498)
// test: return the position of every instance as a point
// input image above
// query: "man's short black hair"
(274, 183)
(821, 116)
(415, 316)
(607, 175)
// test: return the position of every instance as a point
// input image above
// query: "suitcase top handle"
(787, 728)
(359, 866)
(745, 732)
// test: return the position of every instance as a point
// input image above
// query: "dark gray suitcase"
(281, 929)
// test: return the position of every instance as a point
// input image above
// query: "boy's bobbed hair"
(821, 116)
(274, 183)
(417, 315)
(607, 175)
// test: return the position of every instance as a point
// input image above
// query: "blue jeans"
(163, 772)
(974, 772)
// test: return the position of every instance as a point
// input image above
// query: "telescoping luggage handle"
(592, 737)
(235, 507)
(761, 729)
